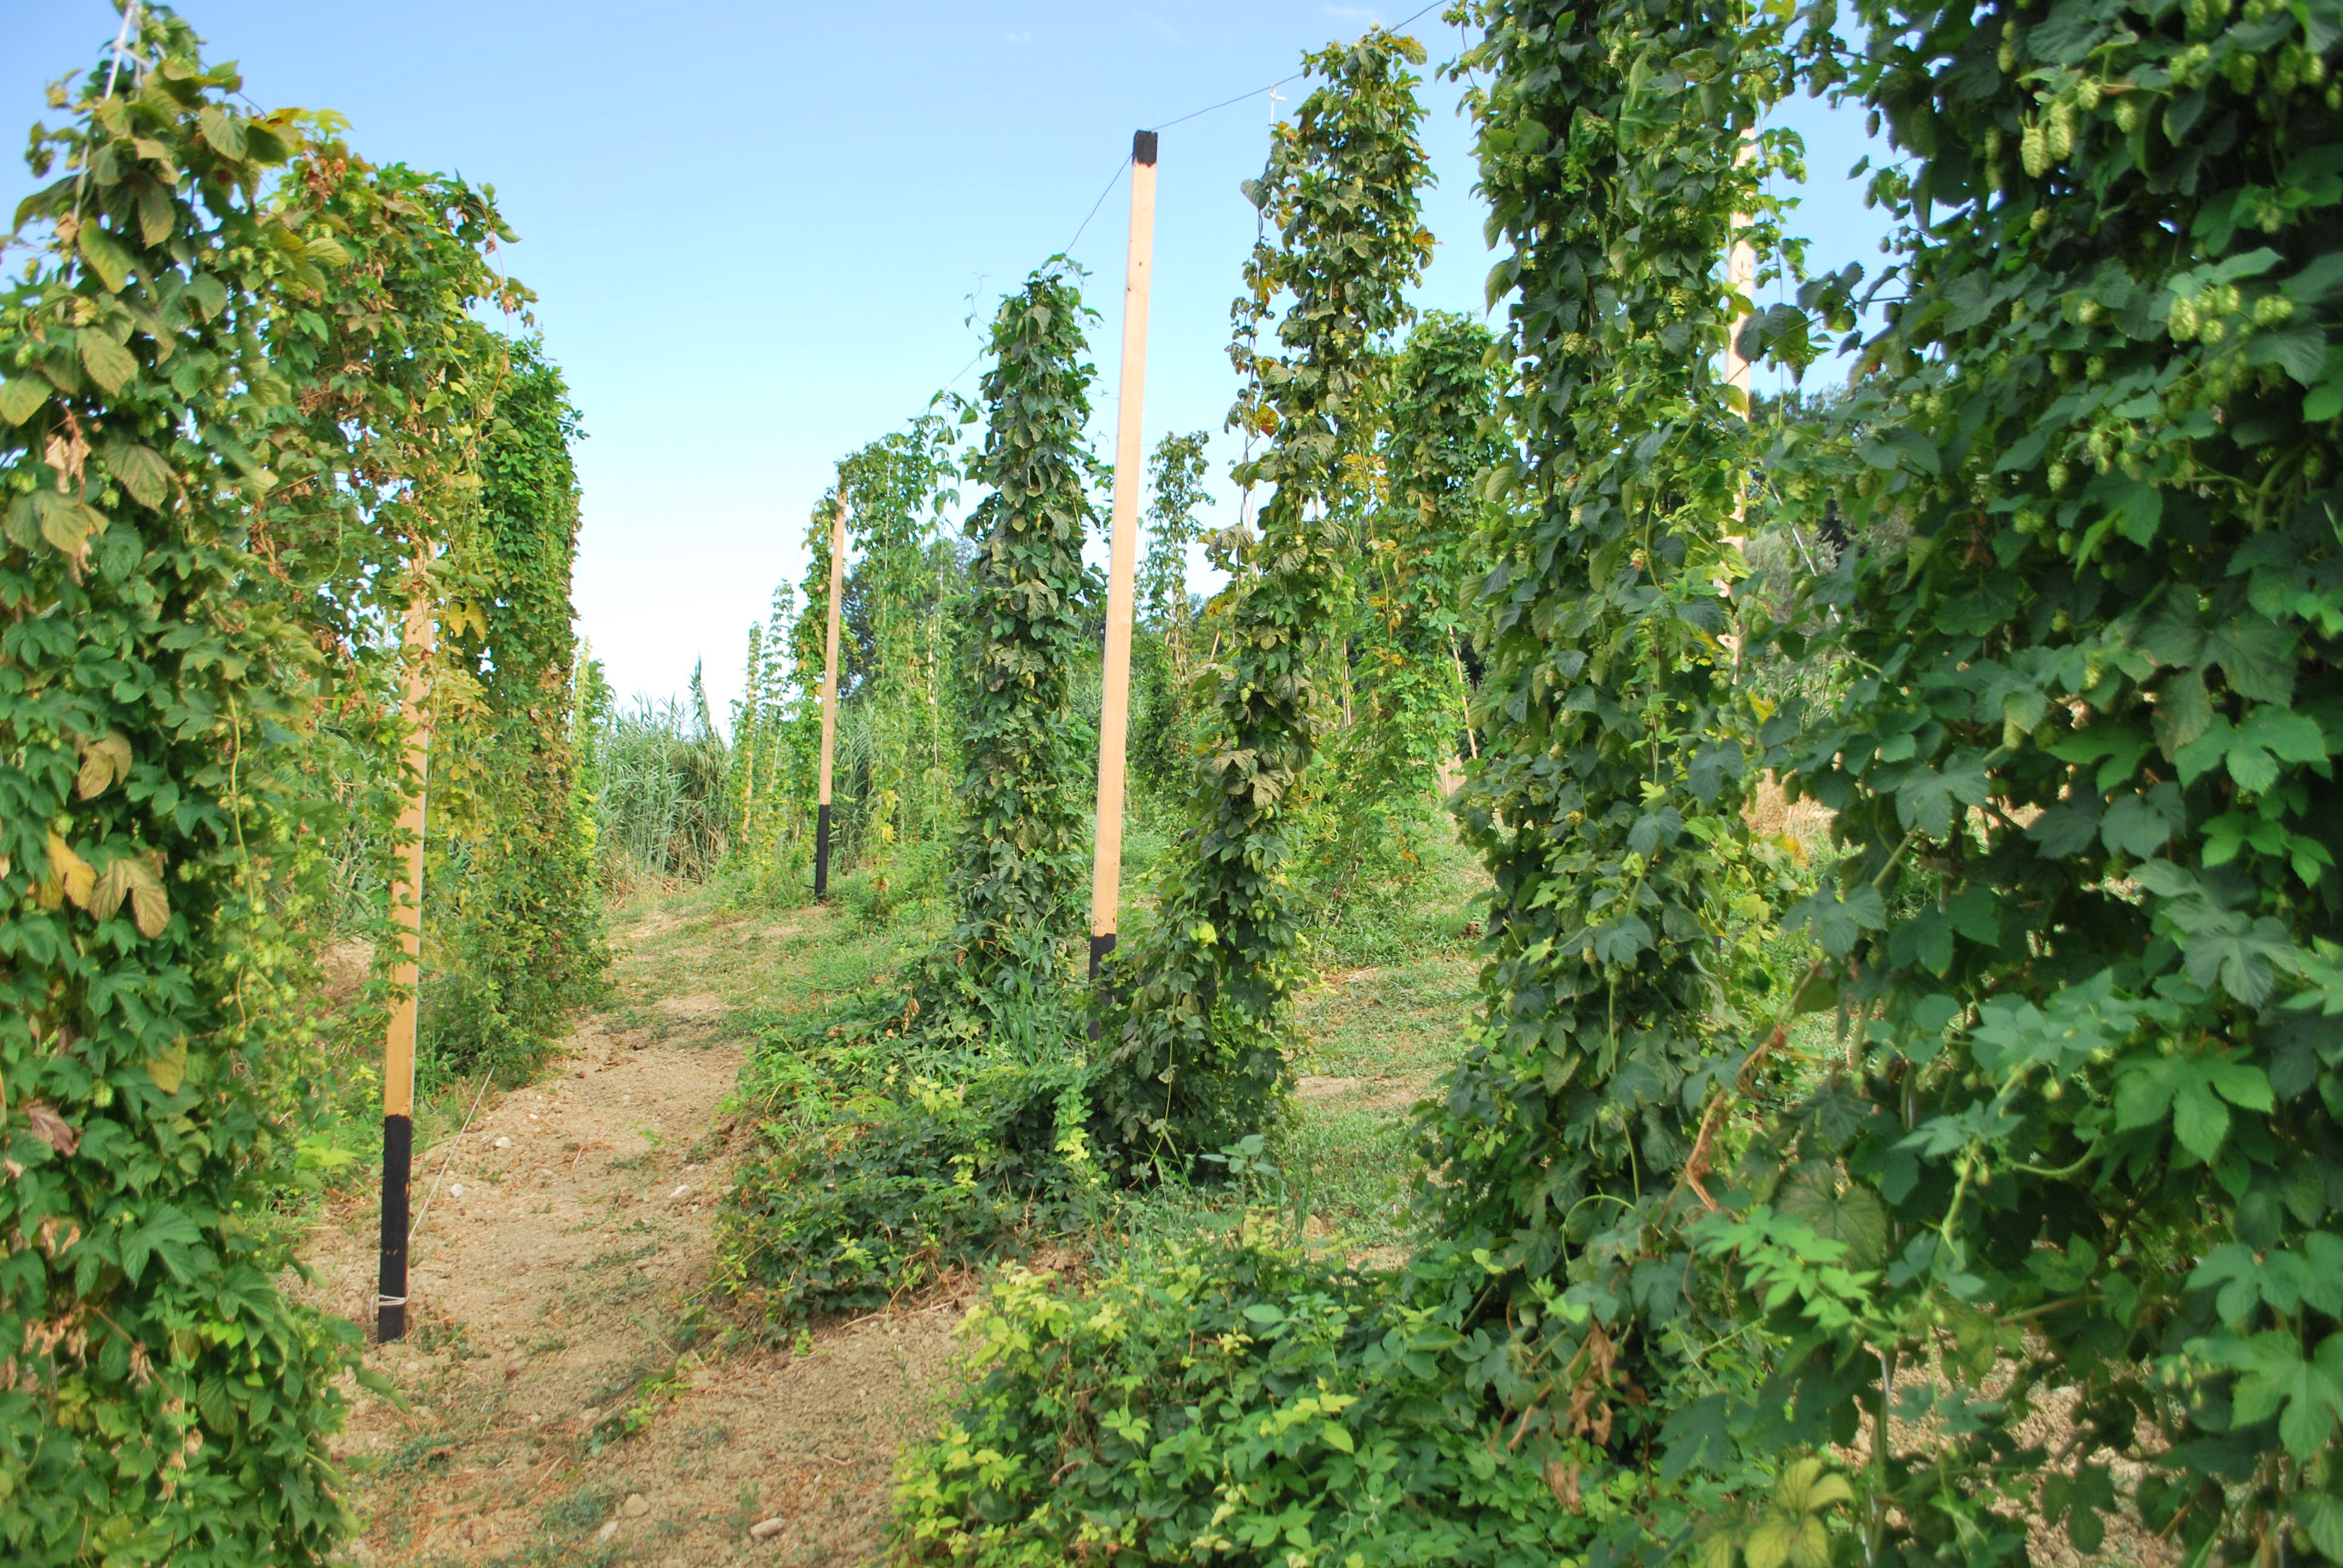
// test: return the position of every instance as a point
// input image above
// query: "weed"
(580, 1511)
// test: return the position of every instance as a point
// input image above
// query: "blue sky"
(756, 230)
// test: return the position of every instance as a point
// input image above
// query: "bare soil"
(574, 1390)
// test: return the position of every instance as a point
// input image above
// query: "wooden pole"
(406, 972)
(1114, 708)
(1741, 276)
(830, 694)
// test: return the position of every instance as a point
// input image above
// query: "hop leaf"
(19, 398)
(105, 761)
(71, 873)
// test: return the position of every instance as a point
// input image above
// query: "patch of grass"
(442, 1337)
(1349, 1169)
(1406, 1020)
(641, 1404)
(1439, 906)
(431, 1448)
(579, 1511)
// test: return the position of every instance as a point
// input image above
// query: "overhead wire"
(1122, 167)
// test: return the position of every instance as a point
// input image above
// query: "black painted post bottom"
(822, 855)
(390, 1291)
(1100, 945)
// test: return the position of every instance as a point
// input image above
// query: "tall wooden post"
(1741, 276)
(406, 973)
(1129, 459)
(830, 694)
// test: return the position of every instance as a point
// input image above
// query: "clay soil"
(574, 1391)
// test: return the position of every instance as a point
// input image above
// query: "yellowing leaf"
(67, 524)
(72, 872)
(112, 888)
(104, 761)
(168, 1070)
(150, 908)
(1782, 1541)
(139, 878)
(1807, 1488)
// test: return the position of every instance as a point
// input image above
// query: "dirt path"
(571, 1397)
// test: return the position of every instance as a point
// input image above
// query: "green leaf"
(141, 471)
(105, 257)
(209, 294)
(1839, 923)
(2241, 1084)
(2199, 1121)
(2144, 1093)
(2320, 1514)
(224, 130)
(157, 213)
(45, 514)
(2141, 825)
(108, 363)
(20, 397)
(1847, 1211)
(2301, 351)
(167, 1234)
(1338, 1436)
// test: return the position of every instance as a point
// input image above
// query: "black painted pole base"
(822, 855)
(390, 1291)
(1100, 945)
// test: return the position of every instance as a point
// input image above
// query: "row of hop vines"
(245, 411)
(2042, 1238)
(1197, 1015)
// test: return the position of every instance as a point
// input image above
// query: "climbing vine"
(1418, 560)
(514, 914)
(2080, 1141)
(1163, 652)
(1021, 847)
(1606, 798)
(898, 603)
(1198, 1015)
(937, 1122)
(159, 670)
